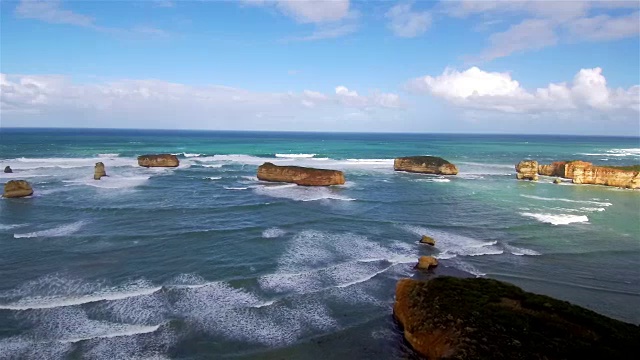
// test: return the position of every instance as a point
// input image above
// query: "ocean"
(204, 261)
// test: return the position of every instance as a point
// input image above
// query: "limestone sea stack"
(476, 318)
(425, 165)
(300, 175)
(527, 170)
(99, 171)
(158, 160)
(17, 189)
(7, 170)
(426, 263)
(582, 172)
(553, 169)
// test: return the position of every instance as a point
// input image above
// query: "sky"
(527, 67)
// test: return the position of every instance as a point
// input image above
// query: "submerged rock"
(478, 318)
(426, 262)
(557, 181)
(159, 160)
(425, 165)
(428, 240)
(527, 170)
(300, 175)
(17, 188)
(99, 171)
(7, 170)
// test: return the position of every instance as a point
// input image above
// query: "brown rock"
(7, 170)
(553, 169)
(426, 262)
(17, 188)
(582, 172)
(99, 171)
(527, 170)
(476, 318)
(159, 160)
(300, 175)
(428, 240)
(425, 165)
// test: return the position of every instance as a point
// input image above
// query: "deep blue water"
(205, 261)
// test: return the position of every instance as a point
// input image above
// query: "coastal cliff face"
(553, 169)
(585, 173)
(527, 170)
(17, 188)
(300, 175)
(479, 318)
(425, 165)
(159, 160)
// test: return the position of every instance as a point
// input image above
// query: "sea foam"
(557, 219)
(62, 230)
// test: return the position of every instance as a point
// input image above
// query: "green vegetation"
(489, 319)
(627, 167)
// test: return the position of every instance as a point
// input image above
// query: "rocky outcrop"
(300, 175)
(427, 240)
(425, 165)
(99, 171)
(553, 169)
(17, 188)
(527, 170)
(557, 181)
(7, 170)
(426, 262)
(582, 172)
(478, 318)
(159, 160)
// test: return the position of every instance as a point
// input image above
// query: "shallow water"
(204, 260)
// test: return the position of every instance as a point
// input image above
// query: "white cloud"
(50, 11)
(404, 22)
(328, 31)
(494, 91)
(28, 97)
(531, 34)
(315, 11)
(605, 27)
(546, 23)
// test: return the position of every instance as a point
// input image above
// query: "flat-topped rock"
(476, 318)
(425, 165)
(427, 240)
(554, 169)
(527, 170)
(99, 171)
(300, 175)
(426, 262)
(158, 160)
(17, 189)
(583, 172)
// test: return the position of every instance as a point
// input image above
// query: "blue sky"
(424, 66)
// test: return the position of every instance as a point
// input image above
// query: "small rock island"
(300, 175)
(158, 160)
(17, 189)
(476, 318)
(425, 165)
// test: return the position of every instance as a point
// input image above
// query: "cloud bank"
(499, 92)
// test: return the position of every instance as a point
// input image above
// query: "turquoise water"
(205, 261)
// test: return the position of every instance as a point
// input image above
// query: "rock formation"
(426, 262)
(553, 169)
(8, 170)
(300, 175)
(425, 165)
(582, 172)
(17, 188)
(557, 181)
(99, 171)
(428, 240)
(159, 160)
(478, 318)
(527, 170)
